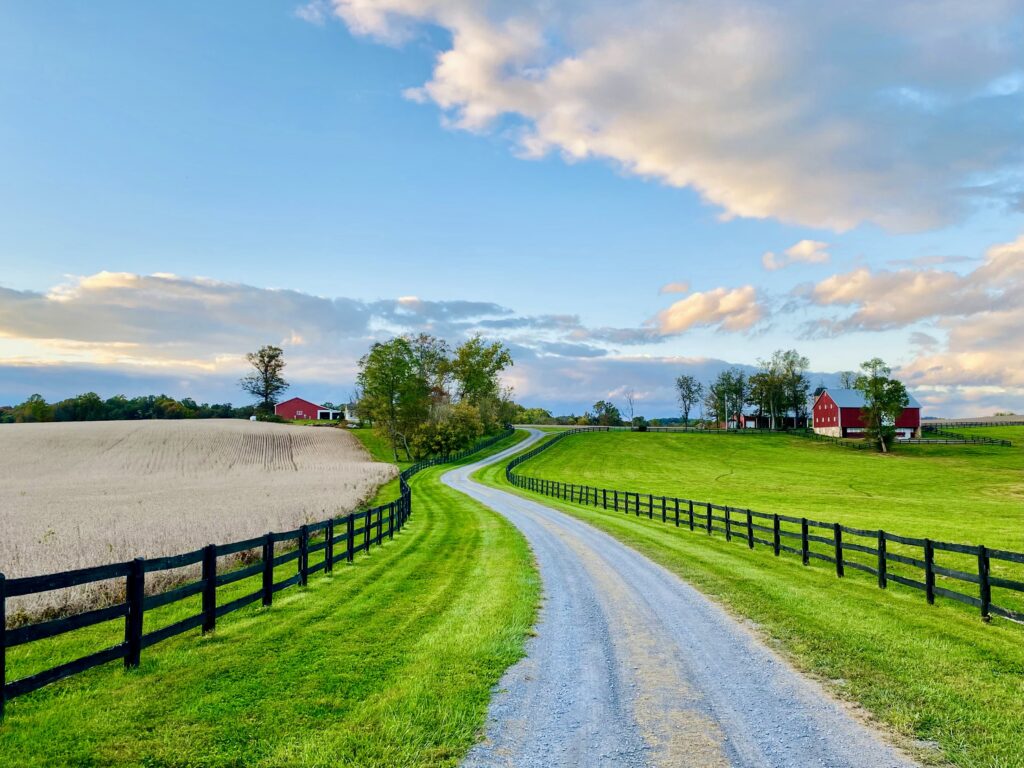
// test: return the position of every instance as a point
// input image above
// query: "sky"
(621, 192)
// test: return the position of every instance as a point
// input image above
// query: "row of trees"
(426, 398)
(91, 407)
(779, 388)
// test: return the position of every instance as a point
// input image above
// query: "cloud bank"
(906, 115)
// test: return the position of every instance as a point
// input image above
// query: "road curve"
(630, 666)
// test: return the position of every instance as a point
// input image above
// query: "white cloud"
(734, 309)
(901, 114)
(980, 311)
(680, 287)
(803, 252)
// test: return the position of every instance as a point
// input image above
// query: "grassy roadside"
(932, 675)
(390, 661)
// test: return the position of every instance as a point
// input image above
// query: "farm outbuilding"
(837, 414)
(297, 408)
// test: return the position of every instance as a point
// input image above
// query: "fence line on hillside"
(739, 523)
(340, 538)
(956, 437)
(940, 424)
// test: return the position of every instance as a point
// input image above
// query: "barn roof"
(854, 398)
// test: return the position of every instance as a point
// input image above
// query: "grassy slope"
(935, 674)
(962, 493)
(388, 662)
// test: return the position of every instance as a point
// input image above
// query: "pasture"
(962, 493)
(86, 493)
(947, 685)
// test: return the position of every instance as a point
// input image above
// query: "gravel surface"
(631, 666)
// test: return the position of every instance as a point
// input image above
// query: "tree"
(630, 404)
(884, 401)
(396, 396)
(716, 397)
(265, 383)
(689, 392)
(34, 409)
(793, 369)
(847, 379)
(607, 414)
(476, 368)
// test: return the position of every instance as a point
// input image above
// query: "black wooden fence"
(340, 538)
(946, 436)
(845, 547)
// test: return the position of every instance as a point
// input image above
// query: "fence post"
(209, 588)
(391, 520)
(303, 555)
(604, 497)
(677, 512)
(616, 494)
(663, 509)
(350, 537)
(268, 569)
(367, 525)
(709, 518)
(750, 530)
(637, 500)
(837, 536)
(804, 544)
(690, 512)
(650, 506)
(134, 589)
(929, 571)
(984, 585)
(883, 576)
(776, 535)
(329, 546)
(3, 644)
(728, 523)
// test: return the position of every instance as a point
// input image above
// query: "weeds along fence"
(891, 558)
(339, 538)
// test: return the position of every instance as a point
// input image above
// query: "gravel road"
(630, 666)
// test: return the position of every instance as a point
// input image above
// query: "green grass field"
(961, 493)
(948, 685)
(387, 662)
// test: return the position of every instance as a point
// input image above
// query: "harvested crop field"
(80, 494)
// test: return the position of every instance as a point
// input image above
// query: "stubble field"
(81, 494)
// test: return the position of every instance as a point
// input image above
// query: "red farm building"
(297, 408)
(837, 413)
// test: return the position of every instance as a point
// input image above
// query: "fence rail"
(946, 436)
(843, 546)
(340, 538)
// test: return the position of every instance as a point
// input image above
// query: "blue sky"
(177, 168)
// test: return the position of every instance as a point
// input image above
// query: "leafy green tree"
(607, 414)
(689, 392)
(884, 401)
(35, 409)
(475, 368)
(266, 382)
(457, 429)
(396, 396)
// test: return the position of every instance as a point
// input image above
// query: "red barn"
(297, 408)
(837, 413)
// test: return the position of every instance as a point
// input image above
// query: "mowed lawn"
(972, 494)
(948, 686)
(387, 662)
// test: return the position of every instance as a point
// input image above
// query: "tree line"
(91, 407)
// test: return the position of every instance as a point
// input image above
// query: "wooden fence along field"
(339, 539)
(887, 556)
